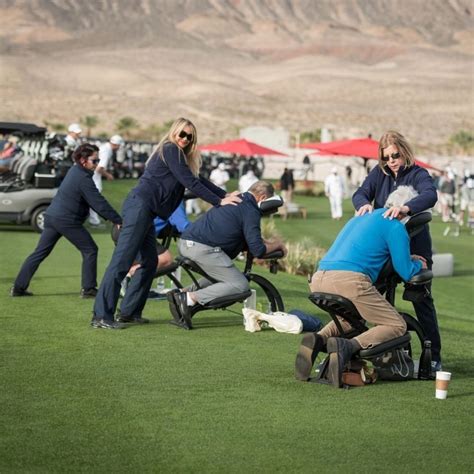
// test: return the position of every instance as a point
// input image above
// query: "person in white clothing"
(73, 137)
(334, 190)
(219, 176)
(247, 180)
(106, 152)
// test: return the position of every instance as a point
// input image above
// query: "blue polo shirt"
(366, 242)
(232, 228)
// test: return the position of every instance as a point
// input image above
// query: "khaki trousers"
(372, 306)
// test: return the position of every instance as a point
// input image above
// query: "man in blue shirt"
(350, 269)
(214, 240)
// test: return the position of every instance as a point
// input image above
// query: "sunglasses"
(188, 136)
(394, 156)
(94, 161)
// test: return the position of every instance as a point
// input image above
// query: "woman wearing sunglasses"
(65, 217)
(396, 168)
(172, 167)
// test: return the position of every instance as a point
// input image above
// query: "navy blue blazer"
(232, 228)
(76, 195)
(163, 183)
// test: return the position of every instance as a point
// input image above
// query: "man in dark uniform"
(65, 217)
(213, 241)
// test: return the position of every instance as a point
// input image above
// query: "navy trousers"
(137, 242)
(426, 315)
(54, 229)
(424, 308)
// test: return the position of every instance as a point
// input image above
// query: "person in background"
(447, 191)
(65, 217)
(466, 197)
(287, 185)
(106, 152)
(219, 176)
(396, 167)
(73, 137)
(172, 167)
(307, 167)
(334, 190)
(7, 153)
(247, 180)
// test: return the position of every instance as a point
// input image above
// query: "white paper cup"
(442, 382)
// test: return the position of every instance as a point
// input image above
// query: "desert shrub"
(269, 230)
(302, 258)
(463, 140)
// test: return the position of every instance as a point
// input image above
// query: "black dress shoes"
(179, 309)
(88, 293)
(106, 324)
(18, 292)
(183, 309)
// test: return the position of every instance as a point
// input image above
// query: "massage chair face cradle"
(386, 284)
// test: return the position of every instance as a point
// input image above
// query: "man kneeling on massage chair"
(213, 241)
(350, 269)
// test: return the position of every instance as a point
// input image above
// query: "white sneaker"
(251, 323)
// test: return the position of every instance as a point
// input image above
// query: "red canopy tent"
(364, 147)
(240, 147)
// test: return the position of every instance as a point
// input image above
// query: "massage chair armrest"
(421, 278)
(276, 254)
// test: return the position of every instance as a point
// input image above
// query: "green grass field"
(215, 399)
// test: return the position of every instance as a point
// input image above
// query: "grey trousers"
(218, 265)
(372, 306)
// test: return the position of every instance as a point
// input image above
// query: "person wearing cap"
(334, 190)
(65, 217)
(213, 241)
(350, 268)
(172, 167)
(247, 180)
(219, 176)
(106, 152)
(397, 167)
(73, 137)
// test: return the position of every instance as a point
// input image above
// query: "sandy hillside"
(367, 65)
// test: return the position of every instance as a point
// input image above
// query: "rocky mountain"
(357, 66)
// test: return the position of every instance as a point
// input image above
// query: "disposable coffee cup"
(442, 382)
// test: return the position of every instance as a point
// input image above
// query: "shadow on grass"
(460, 395)
(75, 293)
(12, 278)
(462, 273)
(215, 323)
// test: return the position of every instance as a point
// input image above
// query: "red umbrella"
(240, 147)
(363, 147)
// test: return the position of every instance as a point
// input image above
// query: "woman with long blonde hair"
(397, 167)
(172, 167)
